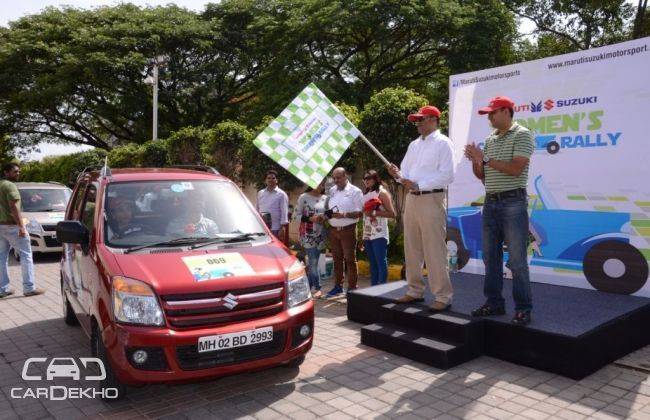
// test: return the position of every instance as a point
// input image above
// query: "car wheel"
(69, 316)
(615, 267)
(552, 147)
(453, 237)
(110, 381)
(294, 363)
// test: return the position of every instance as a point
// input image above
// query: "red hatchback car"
(175, 277)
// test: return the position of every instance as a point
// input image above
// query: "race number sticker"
(217, 266)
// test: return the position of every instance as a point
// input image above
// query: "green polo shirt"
(8, 193)
(518, 141)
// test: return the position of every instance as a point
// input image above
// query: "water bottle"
(453, 261)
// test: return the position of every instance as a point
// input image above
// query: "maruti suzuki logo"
(230, 301)
(548, 104)
(536, 107)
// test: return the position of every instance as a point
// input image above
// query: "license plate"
(234, 340)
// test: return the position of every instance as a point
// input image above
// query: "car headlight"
(297, 285)
(135, 302)
(34, 227)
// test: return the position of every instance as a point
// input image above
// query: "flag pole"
(374, 149)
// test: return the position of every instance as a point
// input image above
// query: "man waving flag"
(308, 137)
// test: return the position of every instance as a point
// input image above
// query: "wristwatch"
(485, 160)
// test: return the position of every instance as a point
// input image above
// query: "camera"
(329, 213)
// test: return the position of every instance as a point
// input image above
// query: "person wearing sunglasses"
(426, 171)
(377, 209)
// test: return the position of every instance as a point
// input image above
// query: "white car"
(43, 206)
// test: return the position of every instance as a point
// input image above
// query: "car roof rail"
(55, 183)
(201, 168)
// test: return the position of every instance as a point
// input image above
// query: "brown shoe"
(409, 299)
(34, 292)
(317, 294)
(439, 306)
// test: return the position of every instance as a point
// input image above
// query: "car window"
(44, 199)
(139, 213)
(88, 212)
(78, 200)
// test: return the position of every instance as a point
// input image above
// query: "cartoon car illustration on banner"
(547, 143)
(589, 241)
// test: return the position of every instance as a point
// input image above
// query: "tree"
(583, 23)
(184, 145)
(641, 25)
(78, 75)
(222, 148)
(358, 47)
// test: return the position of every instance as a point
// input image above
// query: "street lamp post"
(155, 102)
(153, 80)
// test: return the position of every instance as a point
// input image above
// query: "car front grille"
(189, 358)
(218, 308)
(51, 242)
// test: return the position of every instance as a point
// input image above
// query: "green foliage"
(582, 24)
(384, 122)
(124, 156)
(222, 148)
(62, 169)
(153, 154)
(184, 145)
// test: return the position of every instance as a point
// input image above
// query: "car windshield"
(142, 213)
(44, 199)
(60, 362)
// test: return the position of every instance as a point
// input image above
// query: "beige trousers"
(424, 241)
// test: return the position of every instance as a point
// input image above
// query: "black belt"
(351, 225)
(519, 192)
(439, 190)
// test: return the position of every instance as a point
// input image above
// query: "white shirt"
(429, 162)
(347, 200)
(276, 203)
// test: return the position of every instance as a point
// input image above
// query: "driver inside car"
(120, 219)
(192, 222)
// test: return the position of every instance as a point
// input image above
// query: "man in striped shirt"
(502, 166)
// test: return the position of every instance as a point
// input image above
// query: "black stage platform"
(574, 331)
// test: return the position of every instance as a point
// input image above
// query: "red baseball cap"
(497, 102)
(425, 111)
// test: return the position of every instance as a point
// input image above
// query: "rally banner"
(589, 177)
(308, 137)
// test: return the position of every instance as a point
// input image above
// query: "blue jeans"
(313, 273)
(506, 221)
(376, 250)
(9, 239)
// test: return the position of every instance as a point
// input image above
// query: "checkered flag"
(308, 137)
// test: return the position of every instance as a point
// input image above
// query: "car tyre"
(111, 381)
(69, 316)
(294, 363)
(552, 147)
(636, 267)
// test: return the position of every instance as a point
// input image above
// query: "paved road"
(341, 379)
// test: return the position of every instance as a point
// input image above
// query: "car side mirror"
(72, 232)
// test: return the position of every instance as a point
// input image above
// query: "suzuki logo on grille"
(230, 301)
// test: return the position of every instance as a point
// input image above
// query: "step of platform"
(447, 325)
(415, 345)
